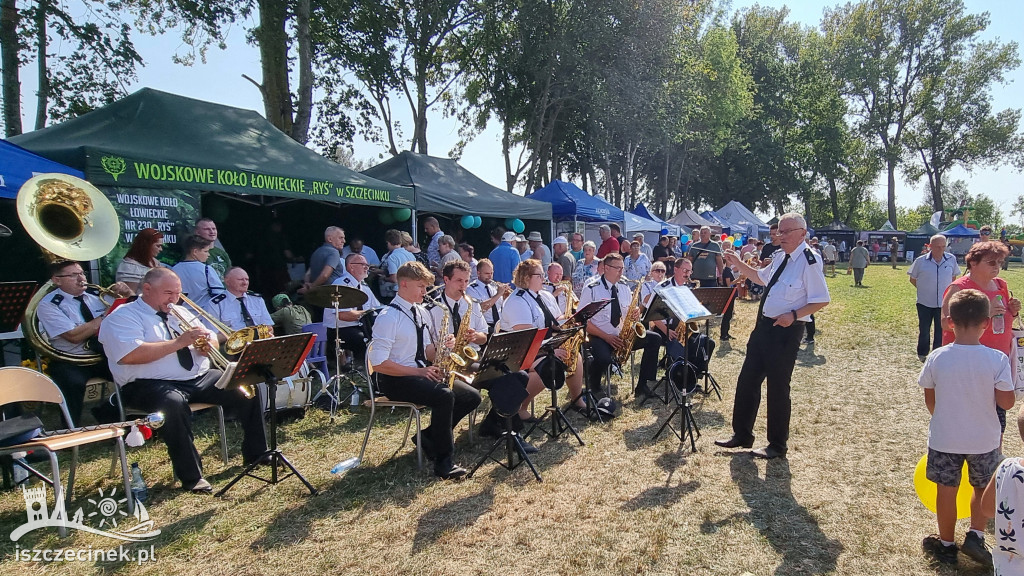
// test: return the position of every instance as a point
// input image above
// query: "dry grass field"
(843, 501)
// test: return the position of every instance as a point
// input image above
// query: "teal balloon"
(518, 226)
(509, 223)
(385, 217)
(684, 238)
(477, 221)
(402, 214)
(738, 242)
(467, 222)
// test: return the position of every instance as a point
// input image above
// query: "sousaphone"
(70, 219)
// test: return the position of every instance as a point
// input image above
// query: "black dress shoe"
(200, 486)
(447, 470)
(734, 442)
(642, 391)
(768, 452)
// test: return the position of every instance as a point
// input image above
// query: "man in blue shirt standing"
(505, 258)
(931, 273)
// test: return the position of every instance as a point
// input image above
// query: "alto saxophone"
(461, 354)
(631, 327)
(573, 345)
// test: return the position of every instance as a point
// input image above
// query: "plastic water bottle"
(355, 397)
(998, 324)
(139, 489)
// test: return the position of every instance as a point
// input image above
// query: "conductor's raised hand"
(731, 257)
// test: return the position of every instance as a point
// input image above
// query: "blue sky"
(220, 80)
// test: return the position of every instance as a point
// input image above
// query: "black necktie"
(184, 356)
(616, 307)
(456, 319)
(549, 318)
(84, 308)
(775, 278)
(245, 312)
(421, 354)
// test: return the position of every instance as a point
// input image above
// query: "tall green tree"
(957, 126)
(883, 50)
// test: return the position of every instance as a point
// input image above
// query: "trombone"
(234, 340)
(218, 360)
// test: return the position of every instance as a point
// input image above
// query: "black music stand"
(14, 299)
(659, 310)
(505, 353)
(716, 300)
(558, 417)
(268, 361)
(684, 407)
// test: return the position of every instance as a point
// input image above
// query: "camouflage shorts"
(945, 469)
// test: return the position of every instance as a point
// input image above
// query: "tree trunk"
(273, 45)
(891, 163)
(300, 130)
(43, 95)
(9, 63)
(833, 197)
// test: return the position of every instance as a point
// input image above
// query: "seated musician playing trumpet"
(530, 306)
(400, 353)
(682, 270)
(71, 316)
(159, 354)
(606, 327)
(237, 307)
(487, 293)
(554, 284)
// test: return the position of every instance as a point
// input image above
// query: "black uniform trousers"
(71, 379)
(603, 353)
(448, 406)
(929, 329)
(771, 355)
(172, 398)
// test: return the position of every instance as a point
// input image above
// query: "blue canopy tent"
(18, 165)
(642, 211)
(572, 208)
(960, 239)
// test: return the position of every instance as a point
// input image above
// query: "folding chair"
(373, 402)
(318, 355)
(19, 384)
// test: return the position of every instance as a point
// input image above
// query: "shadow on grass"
(808, 357)
(790, 529)
(456, 515)
(659, 496)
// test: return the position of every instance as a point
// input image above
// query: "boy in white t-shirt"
(963, 383)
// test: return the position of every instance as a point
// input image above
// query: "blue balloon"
(478, 221)
(664, 231)
(738, 242)
(467, 221)
(684, 238)
(518, 226)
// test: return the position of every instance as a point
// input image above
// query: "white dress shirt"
(522, 308)
(227, 308)
(481, 292)
(135, 323)
(801, 283)
(476, 318)
(394, 333)
(371, 302)
(59, 312)
(559, 300)
(199, 281)
(601, 289)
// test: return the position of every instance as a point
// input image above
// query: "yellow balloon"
(730, 239)
(927, 490)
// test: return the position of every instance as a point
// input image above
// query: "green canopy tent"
(154, 154)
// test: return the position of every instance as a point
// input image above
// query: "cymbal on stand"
(335, 295)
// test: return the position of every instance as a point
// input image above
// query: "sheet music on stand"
(717, 299)
(683, 304)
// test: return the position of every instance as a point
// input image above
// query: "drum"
(295, 392)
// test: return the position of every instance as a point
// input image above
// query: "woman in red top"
(984, 261)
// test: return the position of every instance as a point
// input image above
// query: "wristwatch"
(794, 315)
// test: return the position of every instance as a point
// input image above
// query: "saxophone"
(461, 354)
(573, 345)
(631, 327)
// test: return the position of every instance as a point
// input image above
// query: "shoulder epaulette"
(346, 280)
(520, 292)
(594, 282)
(809, 254)
(256, 294)
(219, 298)
(474, 283)
(93, 291)
(57, 299)
(664, 283)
